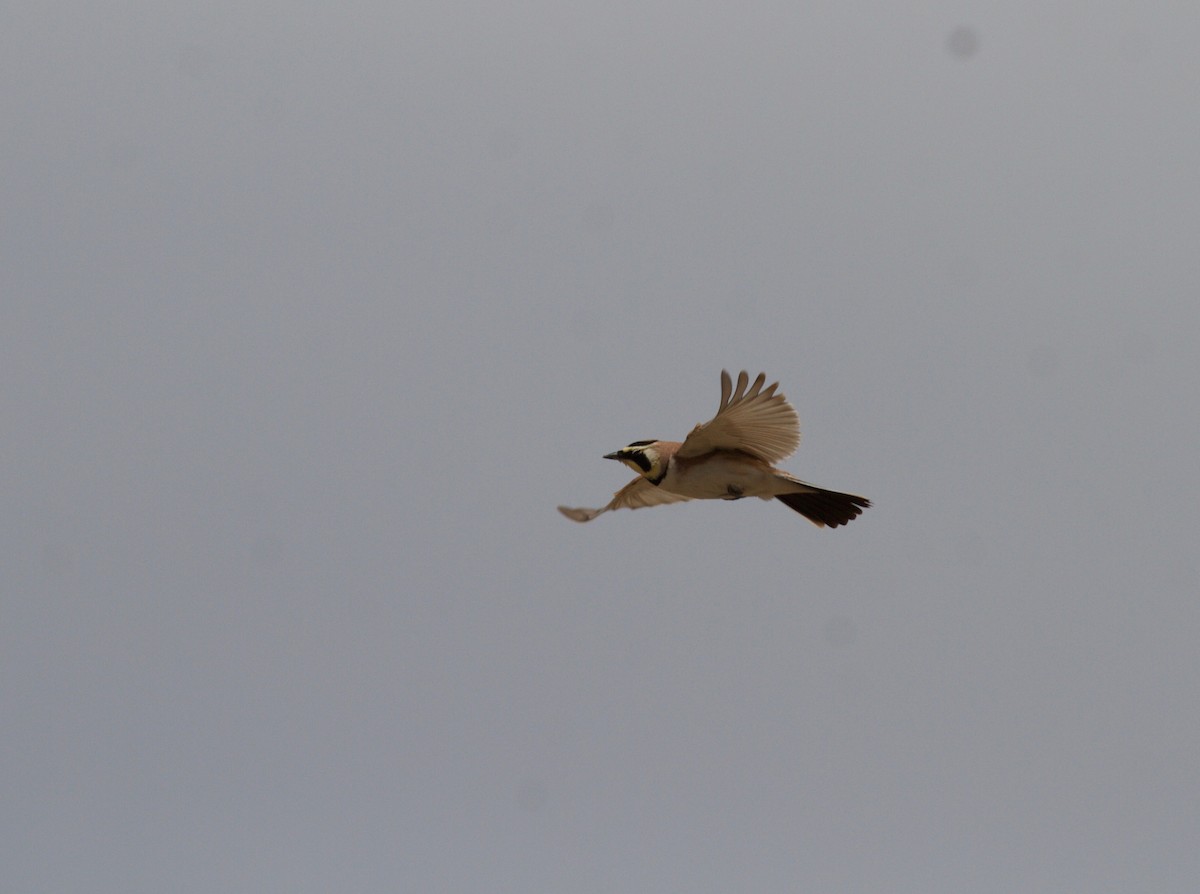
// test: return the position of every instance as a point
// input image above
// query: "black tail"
(826, 507)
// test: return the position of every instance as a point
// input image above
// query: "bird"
(727, 458)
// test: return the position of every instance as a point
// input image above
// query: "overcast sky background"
(310, 314)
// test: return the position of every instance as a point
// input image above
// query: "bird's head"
(645, 457)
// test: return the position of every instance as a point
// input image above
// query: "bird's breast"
(719, 476)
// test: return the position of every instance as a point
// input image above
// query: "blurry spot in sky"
(531, 794)
(840, 631)
(598, 217)
(504, 144)
(1043, 361)
(194, 61)
(963, 42)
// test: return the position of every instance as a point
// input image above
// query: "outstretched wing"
(637, 494)
(755, 420)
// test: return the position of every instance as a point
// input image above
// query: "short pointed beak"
(615, 455)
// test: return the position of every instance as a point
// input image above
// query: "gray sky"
(310, 314)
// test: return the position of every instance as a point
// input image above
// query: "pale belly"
(722, 481)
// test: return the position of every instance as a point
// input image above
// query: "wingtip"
(743, 380)
(579, 514)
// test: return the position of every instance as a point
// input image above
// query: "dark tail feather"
(826, 507)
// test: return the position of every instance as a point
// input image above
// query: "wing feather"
(637, 494)
(755, 420)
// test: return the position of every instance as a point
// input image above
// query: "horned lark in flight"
(727, 458)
